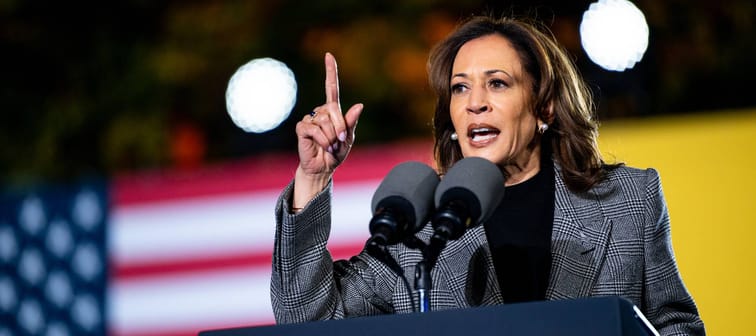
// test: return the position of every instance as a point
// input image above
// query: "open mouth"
(482, 134)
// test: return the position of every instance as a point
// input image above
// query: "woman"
(570, 225)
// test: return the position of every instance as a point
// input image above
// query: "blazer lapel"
(473, 283)
(578, 242)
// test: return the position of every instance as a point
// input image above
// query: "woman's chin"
(488, 155)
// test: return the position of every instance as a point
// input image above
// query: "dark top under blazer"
(612, 240)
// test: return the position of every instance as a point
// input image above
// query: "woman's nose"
(478, 101)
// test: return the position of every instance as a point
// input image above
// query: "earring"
(542, 128)
(454, 136)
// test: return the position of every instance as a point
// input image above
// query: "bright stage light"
(614, 34)
(261, 94)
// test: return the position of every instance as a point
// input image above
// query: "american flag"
(53, 260)
(166, 253)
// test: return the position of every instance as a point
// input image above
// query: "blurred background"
(139, 84)
(113, 129)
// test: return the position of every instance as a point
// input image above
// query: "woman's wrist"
(306, 187)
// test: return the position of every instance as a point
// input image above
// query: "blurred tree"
(99, 89)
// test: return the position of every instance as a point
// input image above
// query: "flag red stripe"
(272, 171)
(130, 271)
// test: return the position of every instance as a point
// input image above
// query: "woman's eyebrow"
(487, 72)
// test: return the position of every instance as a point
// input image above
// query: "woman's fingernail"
(335, 146)
(342, 136)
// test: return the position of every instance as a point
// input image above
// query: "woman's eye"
(458, 88)
(498, 84)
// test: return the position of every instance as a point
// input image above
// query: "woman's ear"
(548, 114)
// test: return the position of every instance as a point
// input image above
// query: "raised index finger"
(332, 79)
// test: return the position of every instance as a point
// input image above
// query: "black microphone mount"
(467, 195)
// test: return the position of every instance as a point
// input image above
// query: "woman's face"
(490, 104)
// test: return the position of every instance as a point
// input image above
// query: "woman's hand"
(324, 138)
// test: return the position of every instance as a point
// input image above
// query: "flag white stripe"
(201, 301)
(222, 225)
(351, 212)
(184, 229)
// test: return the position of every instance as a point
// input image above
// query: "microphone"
(402, 202)
(468, 195)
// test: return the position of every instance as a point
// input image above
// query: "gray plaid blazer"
(611, 240)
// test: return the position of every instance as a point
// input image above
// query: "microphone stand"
(423, 281)
(449, 223)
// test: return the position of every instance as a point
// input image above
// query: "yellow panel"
(706, 162)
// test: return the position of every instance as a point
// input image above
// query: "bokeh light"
(261, 94)
(614, 34)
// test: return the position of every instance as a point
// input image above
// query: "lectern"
(605, 316)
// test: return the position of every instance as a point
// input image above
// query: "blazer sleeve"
(667, 303)
(306, 284)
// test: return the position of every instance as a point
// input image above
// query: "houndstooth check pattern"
(612, 240)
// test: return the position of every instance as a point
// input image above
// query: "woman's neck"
(524, 167)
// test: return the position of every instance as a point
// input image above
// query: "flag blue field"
(54, 261)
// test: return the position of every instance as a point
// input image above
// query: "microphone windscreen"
(410, 183)
(474, 181)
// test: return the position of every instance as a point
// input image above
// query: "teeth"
(477, 137)
(481, 130)
(483, 134)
